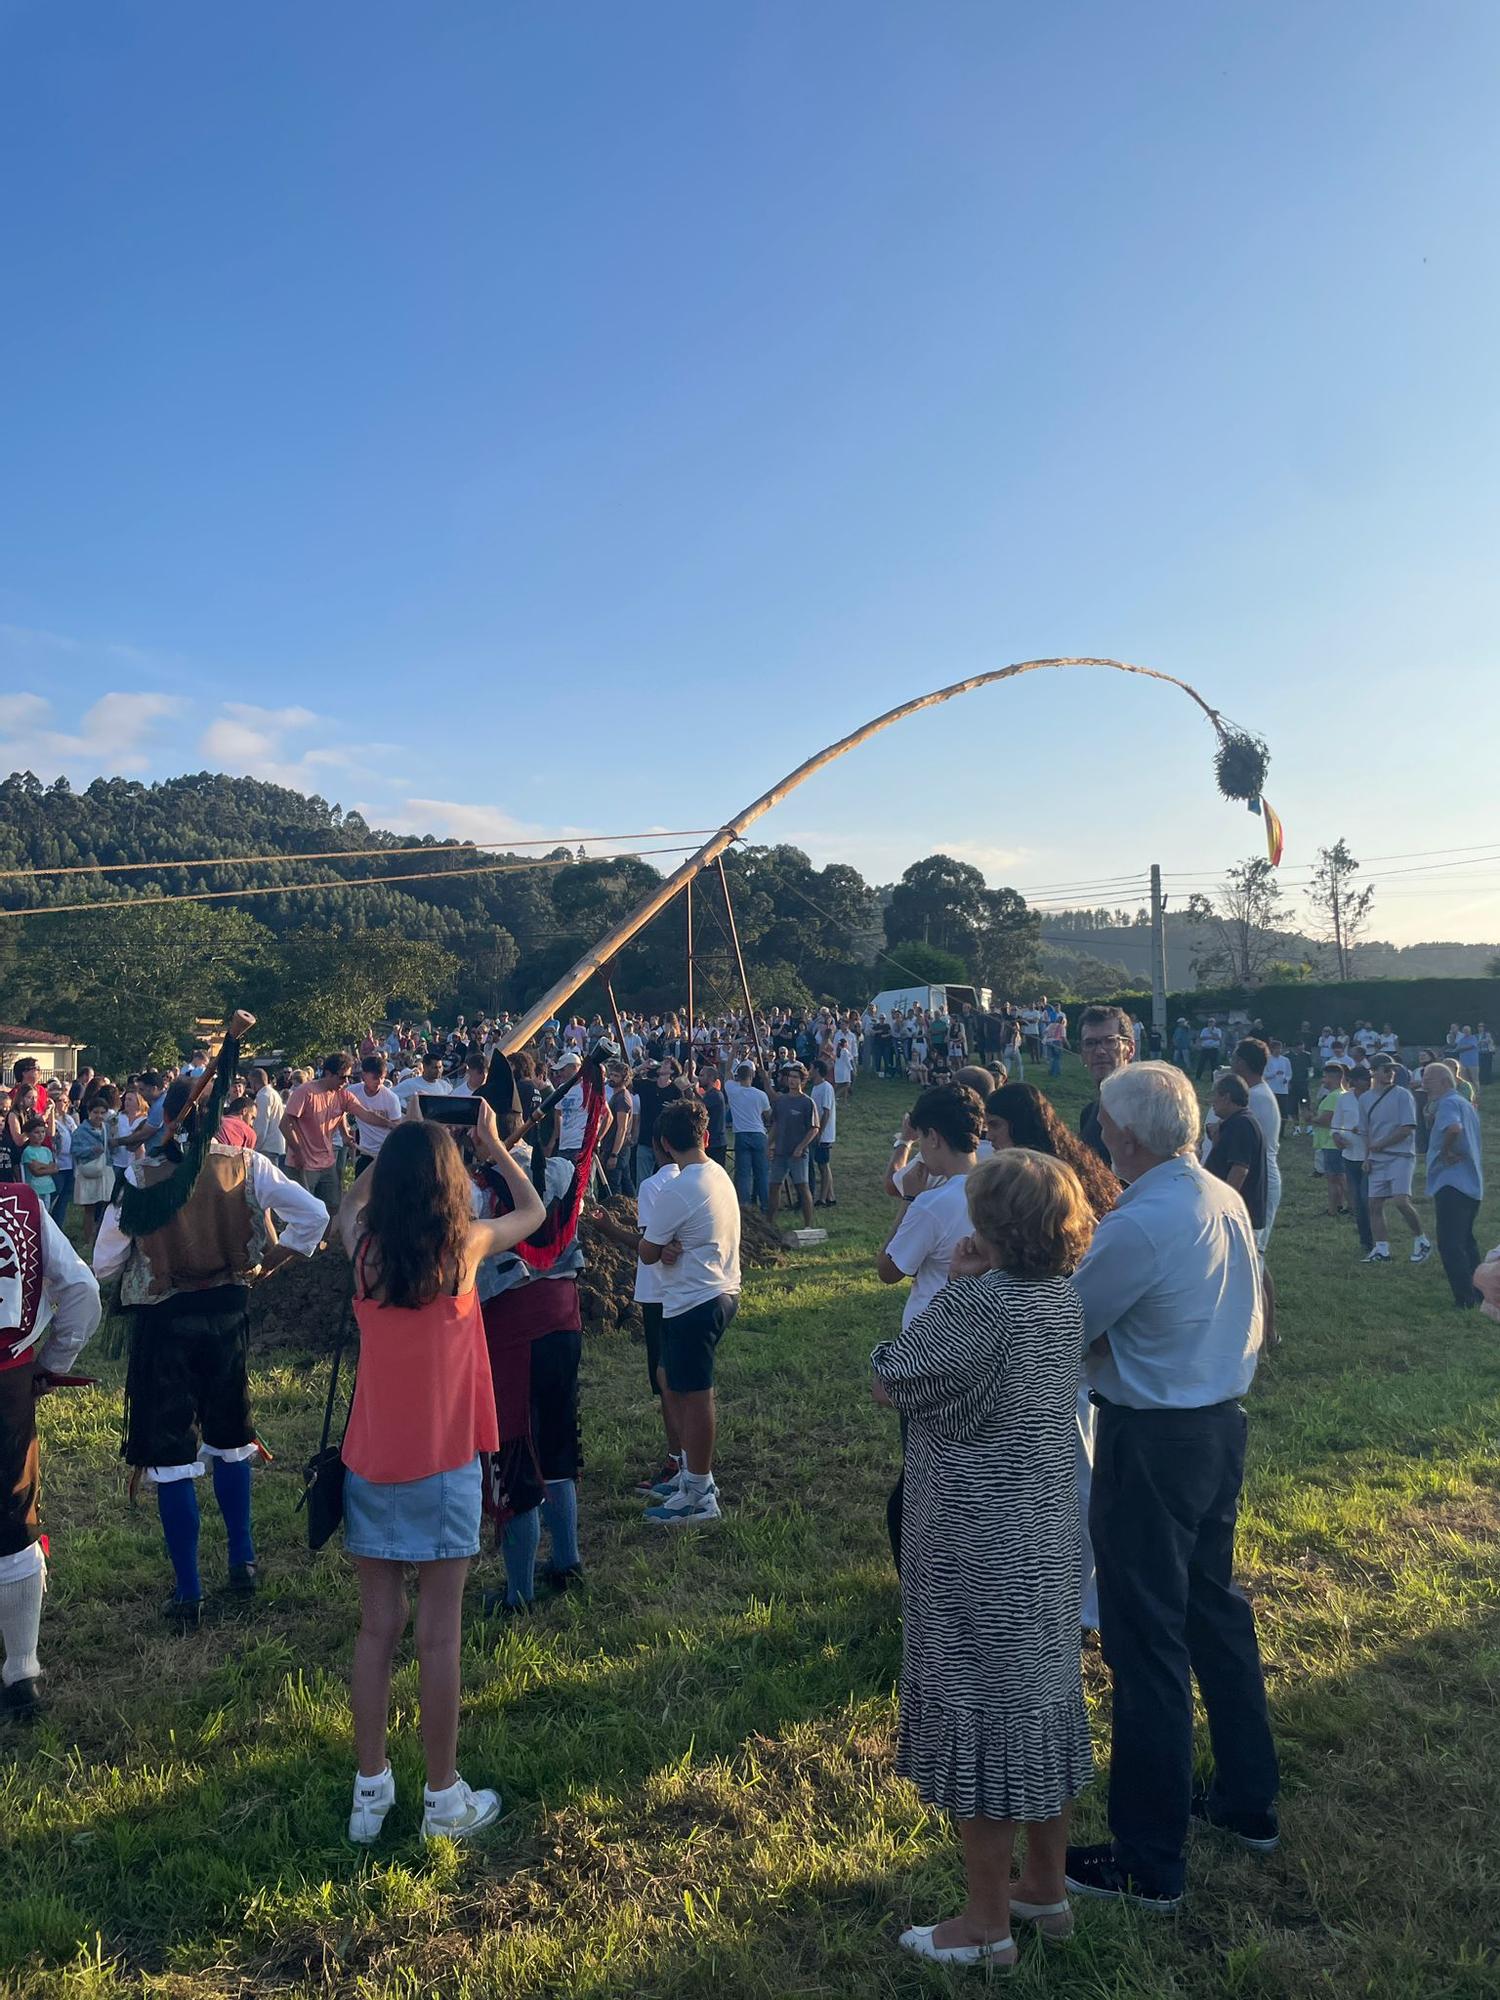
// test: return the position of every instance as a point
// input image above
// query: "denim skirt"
(417, 1520)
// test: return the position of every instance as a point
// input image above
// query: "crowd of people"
(1084, 1312)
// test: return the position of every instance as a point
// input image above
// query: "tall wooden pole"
(739, 959)
(657, 899)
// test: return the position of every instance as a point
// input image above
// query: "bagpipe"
(184, 1139)
(554, 1237)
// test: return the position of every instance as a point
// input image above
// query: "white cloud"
(116, 733)
(490, 825)
(285, 746)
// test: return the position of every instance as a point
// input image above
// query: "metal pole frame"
(739, 959)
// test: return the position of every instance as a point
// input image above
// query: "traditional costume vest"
(217, 1237)
(21, 1271)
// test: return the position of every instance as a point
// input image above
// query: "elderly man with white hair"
(1455, 1178)
(1172, 1313)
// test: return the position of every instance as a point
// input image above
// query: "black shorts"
(688, 1343)
(187, 1383)
(822, 1154)
(554, 1403)
(651, 1319)
(18, 1458)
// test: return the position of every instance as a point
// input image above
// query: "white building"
(55, 1055)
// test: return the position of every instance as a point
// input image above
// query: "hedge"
(1420, 1010)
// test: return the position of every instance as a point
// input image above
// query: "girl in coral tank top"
(424, 1412)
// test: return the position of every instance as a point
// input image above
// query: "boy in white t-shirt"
(694, 1239)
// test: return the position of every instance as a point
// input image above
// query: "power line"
(336, 882)
(367, 853)
(849, 930)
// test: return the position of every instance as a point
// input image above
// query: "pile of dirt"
(606, 1290)
(606, 1285)
(762, 1245)
(300, 1306)
(298, 1309)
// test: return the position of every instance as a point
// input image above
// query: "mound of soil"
(298, 1309)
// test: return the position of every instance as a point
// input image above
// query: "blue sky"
(509, 418)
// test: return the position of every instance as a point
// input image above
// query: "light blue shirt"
(1453, 1111)
(1173, 1277)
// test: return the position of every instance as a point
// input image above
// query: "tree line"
(318, 963)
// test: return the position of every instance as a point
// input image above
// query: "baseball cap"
(569, 1058)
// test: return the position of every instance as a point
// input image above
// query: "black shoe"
(570, 1578)
(493, 1605)
(1259, 1832)
(20, 1701)
(243, 1580)
(1095, 1871)
(186, 1613)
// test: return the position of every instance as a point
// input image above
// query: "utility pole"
(1158, 964)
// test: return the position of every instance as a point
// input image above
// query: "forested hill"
(129, 980)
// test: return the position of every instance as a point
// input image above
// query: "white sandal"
(1054, 1921)
(918, 1940)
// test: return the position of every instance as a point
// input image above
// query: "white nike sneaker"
(1380, 1256)
(373, 1799)
(1421, 1250)
(682, 1508)
(458, 1812)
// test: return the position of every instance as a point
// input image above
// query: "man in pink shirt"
(313, 1112)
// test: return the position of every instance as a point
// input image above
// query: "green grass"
(695, 1756)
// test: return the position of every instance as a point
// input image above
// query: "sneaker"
(1380, 1254)
(243, 1580)
(1095, 1871)
(186, 1613)
(662, 1481)
(1259, 1832)
(373, 1799)
(458, 1812)
(681, 1507)
(665, 1488)
(1421, 1250)
(20, 1701)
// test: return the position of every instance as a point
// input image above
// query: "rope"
(300, 888)
(368, 853)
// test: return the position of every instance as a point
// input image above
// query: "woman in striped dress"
(992, 1720)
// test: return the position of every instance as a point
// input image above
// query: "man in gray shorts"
(1388, 1117)
(794, 1128)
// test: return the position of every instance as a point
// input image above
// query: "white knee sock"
(20, 1623)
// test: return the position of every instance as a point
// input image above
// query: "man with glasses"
(1106, 1043)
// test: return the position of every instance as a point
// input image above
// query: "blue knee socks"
(232, 1491)
(560, 1512)
(178, 1503)
(518, 1547)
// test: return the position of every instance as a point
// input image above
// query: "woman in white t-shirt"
(948, 1122)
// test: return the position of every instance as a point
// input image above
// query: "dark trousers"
(1204, 1064)
(1165, 1495)
(1354, 1174)
(1455, 1215)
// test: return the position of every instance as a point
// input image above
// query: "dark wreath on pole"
(1240, 761)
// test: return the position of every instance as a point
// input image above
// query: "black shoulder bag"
(323, 1474)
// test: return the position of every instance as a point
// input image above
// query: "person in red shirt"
(313, 1111)
(423, 1417)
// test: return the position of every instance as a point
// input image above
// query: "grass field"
(695, 1755)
